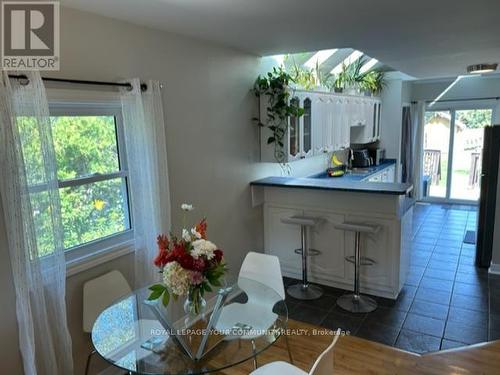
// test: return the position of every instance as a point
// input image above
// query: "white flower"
(186, 236)
(187, 207)
(176, 278)
(203, 247)
(195, 233)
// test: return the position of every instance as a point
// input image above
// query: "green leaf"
(155, 295)
(166, 298)
(157, 287)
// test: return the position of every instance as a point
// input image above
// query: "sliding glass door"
(452, 152)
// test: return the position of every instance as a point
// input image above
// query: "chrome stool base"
(307, 292)
(357, 303)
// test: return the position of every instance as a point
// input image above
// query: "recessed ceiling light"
(481, 68)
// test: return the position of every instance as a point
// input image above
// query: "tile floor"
(447, 302)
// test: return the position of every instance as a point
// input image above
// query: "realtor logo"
(30, 35)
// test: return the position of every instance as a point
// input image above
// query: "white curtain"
(417, 111)
(30, 199)
(148, 174)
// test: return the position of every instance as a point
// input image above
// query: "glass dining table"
(242, 319)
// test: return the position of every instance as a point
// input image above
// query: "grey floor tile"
(462, 333)
(443, 266)
(470, 302)
(386, 316)
(336, 319)
(308, 314)
(450, 344)
(470, 278)
(493, 335)
(378, 332)
(447, 250)
(325, 302)
(432, 310)
(417, 342)
(424, 324)
(439, 274)
(433, 295)
(436, 283)
(494, 322)
(475, 290)
(468, 317)
(444, 257)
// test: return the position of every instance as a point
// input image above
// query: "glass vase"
(195, 304)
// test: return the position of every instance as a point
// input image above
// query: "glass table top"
(250, 317)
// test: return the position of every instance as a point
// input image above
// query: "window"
(91, 171)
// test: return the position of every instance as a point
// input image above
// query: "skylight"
(370, 64)
(319, 57)
(347, 61)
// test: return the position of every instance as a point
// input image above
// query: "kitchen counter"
(335, 200)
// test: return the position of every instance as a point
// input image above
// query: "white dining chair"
(322, 366)
(257, 312)
(98, 294)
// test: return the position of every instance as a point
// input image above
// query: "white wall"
(212, 144)
(391, 120)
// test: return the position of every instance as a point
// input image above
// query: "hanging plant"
(275, 86)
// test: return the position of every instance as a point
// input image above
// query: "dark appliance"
(488, 200)
(361, 159)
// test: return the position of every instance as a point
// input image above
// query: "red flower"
(201, 228)
(163, 254)
(199, 264)
(218, 254)
(162, 241)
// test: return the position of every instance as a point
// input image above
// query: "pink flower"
(196, 277)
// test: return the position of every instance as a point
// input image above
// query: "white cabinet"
(365, 125)
(384, 278)
(385, 175)
(330, 122)
(376, 247)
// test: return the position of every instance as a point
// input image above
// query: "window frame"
(118, 241)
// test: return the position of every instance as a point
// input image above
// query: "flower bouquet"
(190, 267)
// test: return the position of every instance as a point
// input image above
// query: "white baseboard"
(494, 269)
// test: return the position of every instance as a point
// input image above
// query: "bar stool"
(355, 302)
(304, 291)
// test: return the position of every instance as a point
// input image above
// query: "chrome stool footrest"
(310, 252)
(364, 261)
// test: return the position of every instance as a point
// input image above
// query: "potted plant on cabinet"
(275, 87)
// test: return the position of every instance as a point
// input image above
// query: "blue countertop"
(349, 182)
(358, 176)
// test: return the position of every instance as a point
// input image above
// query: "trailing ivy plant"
(275, 87)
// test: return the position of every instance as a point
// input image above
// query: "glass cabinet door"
(307, 134)
(294, 132)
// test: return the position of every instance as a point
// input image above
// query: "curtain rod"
(459, 100)
(129, 87)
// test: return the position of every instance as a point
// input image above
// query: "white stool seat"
(358, 227)
(306, 221)
(278, 368)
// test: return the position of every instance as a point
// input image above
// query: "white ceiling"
(423, 38)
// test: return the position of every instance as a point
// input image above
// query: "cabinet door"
(377, 247)
(318, 125)
(338, 123)
(282, 239)
(306, 130)
(379, 110)
(294, 134)
(345, 127)
(329, 264)
(329, 124)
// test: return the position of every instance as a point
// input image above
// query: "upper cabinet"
(330, 122)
